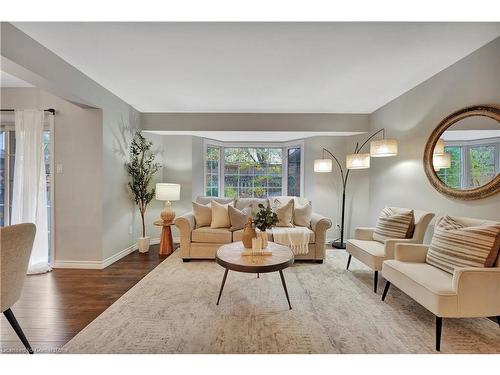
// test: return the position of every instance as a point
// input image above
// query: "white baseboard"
(82, 264)
(99, 265)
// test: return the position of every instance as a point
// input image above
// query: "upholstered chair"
(372, 253)
(16, 243)
(467, 293)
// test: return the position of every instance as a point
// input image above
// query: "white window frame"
(465, 146)
(285, 146)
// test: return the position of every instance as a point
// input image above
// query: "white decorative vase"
(143, 244)
(263, 235)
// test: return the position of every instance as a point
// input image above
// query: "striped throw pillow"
(455, 246)
(394, 223)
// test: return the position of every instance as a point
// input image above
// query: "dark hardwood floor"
(57, 305)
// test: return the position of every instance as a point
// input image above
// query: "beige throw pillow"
(455, 246)
(202, 214)
(285, 213)
(394, 223)
(239, 218)
(302, 215)
(220, 215)
(253, 203)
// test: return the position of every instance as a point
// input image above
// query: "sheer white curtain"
(29, 199)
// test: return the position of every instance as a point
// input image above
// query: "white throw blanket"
(296, 238)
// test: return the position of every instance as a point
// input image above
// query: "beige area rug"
(172, 310)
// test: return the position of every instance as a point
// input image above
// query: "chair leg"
(439, 326)
(348, 261)
(17, 328)
(386, 289)
(375, 281)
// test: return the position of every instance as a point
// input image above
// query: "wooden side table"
(229, 256)
(166, 241)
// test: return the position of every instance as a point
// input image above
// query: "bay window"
(253, 170)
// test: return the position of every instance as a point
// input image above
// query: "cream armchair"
(16, 242)
(373, 253)
(467, 293)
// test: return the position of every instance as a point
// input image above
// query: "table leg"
(258, 275)
(222, 285)
(166, 241)
(284, 287)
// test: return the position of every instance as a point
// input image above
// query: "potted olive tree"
(141, 168)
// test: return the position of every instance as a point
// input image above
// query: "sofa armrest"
(390, 245)
(478, 291)
(364, 233)
(186, 225)
(409, 252)
(319, 225)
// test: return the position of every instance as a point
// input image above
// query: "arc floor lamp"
(378, 148)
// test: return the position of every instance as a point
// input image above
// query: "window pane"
(231, 180)
(294, 172)
(452, 176)
(230, 192)
(274, 169)
(212, 166)
(274, 192)
(251, 171)
(482, 165)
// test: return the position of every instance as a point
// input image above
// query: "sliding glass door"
(7, 165)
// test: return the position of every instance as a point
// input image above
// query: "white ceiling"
(253, 136)
(8, 80)
(260, 67)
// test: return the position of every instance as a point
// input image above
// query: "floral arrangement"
(266, 218)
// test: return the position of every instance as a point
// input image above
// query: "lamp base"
(167, 215)
(338, 245)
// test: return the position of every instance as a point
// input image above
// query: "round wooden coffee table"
(229, 256)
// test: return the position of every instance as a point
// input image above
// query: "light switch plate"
(59, 168)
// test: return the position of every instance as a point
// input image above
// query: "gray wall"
(119, 123)
(175, 153)
(111, 216)
(25, 58)
(411, 118)
(182, 159)
(325, 189)
(77, 146)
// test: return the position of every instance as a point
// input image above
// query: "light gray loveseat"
(203, 242)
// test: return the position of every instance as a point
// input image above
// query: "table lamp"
(168, 192)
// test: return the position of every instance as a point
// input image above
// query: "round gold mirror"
(462, 155)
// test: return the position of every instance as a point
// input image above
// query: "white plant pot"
(143, 244)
